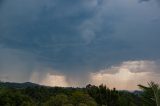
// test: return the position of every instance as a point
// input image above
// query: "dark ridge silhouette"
(18, 85)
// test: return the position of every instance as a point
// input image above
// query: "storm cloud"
(71, 39)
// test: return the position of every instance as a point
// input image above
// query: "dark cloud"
(157, 1)
(1, 2)
(140, 1)
(76, 36)
(50, 31)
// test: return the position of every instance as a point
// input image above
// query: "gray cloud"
(157, 1)
(143, 1)
(128, 74)
(76, 37)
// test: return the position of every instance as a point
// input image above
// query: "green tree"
(14, 98)
(58, 100)
(103, 95)
(81, 98)
(151, 94)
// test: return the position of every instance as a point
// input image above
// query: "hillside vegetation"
(30, 94)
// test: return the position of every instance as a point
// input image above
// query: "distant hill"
(18, 85)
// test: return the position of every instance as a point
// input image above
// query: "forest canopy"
(30, 94)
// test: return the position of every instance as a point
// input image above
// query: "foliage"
(36, 95)
(58, 100)
(151, 94)
(14, 98)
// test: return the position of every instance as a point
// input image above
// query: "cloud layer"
(127, 75)
(75, 38)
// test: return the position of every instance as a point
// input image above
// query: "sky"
(77, 42)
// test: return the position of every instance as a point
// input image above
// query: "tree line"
(91, 95)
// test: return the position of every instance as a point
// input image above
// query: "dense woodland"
(29, 94)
